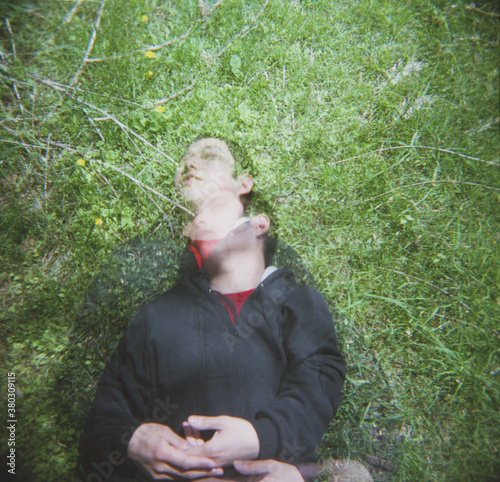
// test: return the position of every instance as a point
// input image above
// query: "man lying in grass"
(245, 358)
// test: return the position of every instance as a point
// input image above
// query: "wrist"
(253, 442)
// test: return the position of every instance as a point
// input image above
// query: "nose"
(191, 164)
(200, 220)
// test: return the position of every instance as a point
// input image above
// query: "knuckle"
(158, 455)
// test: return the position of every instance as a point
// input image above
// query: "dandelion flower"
(149, 73)
(98, 221)
(160, 109)
(145, 18)
(81, 162)
(149, 54)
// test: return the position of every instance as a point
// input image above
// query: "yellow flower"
(160, 109)
(98, 221)
(144, 18)
(81, 162)
(149, 73)
(149, 54)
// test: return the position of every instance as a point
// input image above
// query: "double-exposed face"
(205, 179)
(205, 170)
(216, 217)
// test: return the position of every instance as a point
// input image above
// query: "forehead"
(209, 150)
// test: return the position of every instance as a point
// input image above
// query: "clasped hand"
(166, 456)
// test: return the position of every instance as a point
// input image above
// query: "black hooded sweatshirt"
(278, 367)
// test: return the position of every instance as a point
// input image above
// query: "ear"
(246, 184)
(262, 224)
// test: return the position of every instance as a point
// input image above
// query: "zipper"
(218, 295)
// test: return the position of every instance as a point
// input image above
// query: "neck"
(237, 271)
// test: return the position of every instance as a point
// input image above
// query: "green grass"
(386, 184)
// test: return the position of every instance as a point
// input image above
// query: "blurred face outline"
(206, 169)
(216, 217)
(201, 179)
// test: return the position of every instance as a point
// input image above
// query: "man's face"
(216, 217)
(205, 170)
(199, 179)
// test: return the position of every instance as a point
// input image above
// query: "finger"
(166, 472)
(197, 436)
(196, 433)
(192, 435)
(253, 467)
(206, 450)
(207, 423)
(164, 433)
(169, 455)
(191, 430)
(188, 433)
(177, 442)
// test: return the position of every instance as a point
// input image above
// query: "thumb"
(199, 422)
(252, 467)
